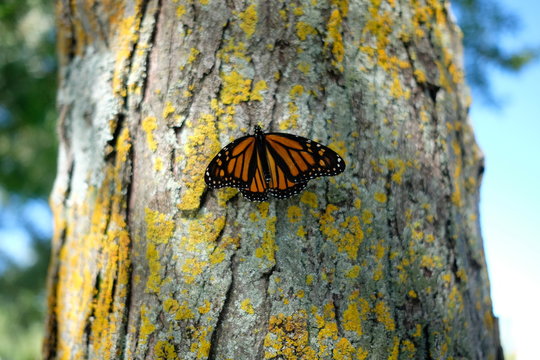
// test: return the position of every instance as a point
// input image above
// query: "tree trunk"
(384, 261)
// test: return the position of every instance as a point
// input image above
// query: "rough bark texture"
(382, 262)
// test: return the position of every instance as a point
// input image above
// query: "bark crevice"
(218, 329)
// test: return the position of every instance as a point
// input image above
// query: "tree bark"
(382, 262)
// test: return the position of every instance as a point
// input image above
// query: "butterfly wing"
(289, 161)
(280, 186)
(232, 165)
(301, 159)
(257, 187)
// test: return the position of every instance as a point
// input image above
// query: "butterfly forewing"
(230, 167)
(303, 159)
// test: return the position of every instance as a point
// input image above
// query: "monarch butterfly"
(275, 164)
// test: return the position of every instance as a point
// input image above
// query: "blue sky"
(510, 195)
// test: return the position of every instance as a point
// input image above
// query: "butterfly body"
(276, 164)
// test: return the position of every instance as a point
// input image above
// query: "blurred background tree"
(485, 24)
(28, 145)
(27, 170)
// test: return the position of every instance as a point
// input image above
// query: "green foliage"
(27, 162)
(22, 307)
(27, 97)
(484, 24)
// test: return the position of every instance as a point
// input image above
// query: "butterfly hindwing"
(257, 187)
(292, 190)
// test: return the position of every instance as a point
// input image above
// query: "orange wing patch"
(230, 167)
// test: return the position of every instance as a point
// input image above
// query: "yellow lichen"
(298, 10)
(203, 232)
(200, 146)
(396, 89)
(455, 301)
(395, 349)
(153, 284)
(399, 167)
(180, 311)
(356, 312)
(344, 350)
(342, 5)
(149, 124)
(380, 197)
(159, 228)
(418, 330)
(205, 308)
(334, 39)
(462, 275)
(235, 89)
(249, 20)
(375, 42)
(447, 278)
(201, 345)
(380, 249)
(246, 306)
(257, 88)
(328, 325)
(217, 256)
(489, 321)
(292, 121)
(126, 35)
(353, 272)
(296, 91)
(180, 10)
(420, 75)
(288, 337)
(147, 327)
(158, 164)
(163, 350)
(349, 241)
(303, 29)
(408, 346)
(382, 311)
(416, 234)
(268, 247)
(263, 209)
(192, 268)
(431, 262)
(168, 109)
(193, 54)
(294, 213)
(457, 198)
(304, 67)
(310, 199)
(367, 217)
(234, 50)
